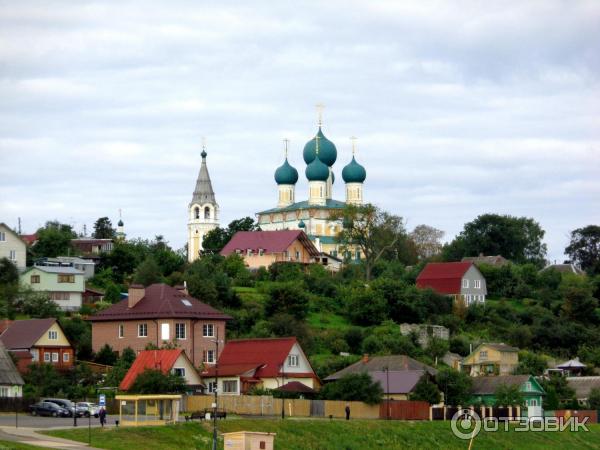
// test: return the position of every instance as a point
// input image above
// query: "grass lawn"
(325, 320)
(5, 445)
(249, 293)
(305, 434)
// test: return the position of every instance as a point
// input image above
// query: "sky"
(460, 108)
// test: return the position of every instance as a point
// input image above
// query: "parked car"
(88, 409)
(66, 404)
(48, 409)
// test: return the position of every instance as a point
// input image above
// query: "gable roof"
(501, 347)
(393, 363)
(14, 233)
(444, 278)
(263, 355)
(23, 334)
(397, 381)
(572, 364)
(296, 386)
(497, 260)
(160, 301)
(269, 241)
(162, 360)
(583, 385)
(9, 375)
(488, 385)
(565, 268)
(29, 238)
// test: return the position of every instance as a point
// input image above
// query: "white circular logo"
(465, 424)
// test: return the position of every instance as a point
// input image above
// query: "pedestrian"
(347, 411)
(102, 416)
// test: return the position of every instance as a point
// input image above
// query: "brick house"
(459, 280)
(38, 340)
(160, 314)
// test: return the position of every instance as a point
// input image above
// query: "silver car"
(88, 409)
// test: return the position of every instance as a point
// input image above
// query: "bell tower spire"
(203, 210)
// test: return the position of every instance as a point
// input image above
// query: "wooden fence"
(591, 414)
(404, 410)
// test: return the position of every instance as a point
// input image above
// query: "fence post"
(445, 409)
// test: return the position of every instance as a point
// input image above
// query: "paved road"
(29, 421)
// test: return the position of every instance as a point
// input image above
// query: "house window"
(483, 354)
(297, 255)
(59, 295)
(12, 255)
(249, 252)
(465, 283)
(208, 330)
(121, 330)
(53, 335)
(293, 360)
(334, 253)
(62, 278)
(357, 255)
(143, 330)
(180, 331)
(2, 236)
(54, 357)
(528, 386)
(261, 251)
(66, 357)
(477, 284)
(230, 387)
(47, 357)
(35, 279)
(4, 391)
(165, 332)
(212, 386)
(179, 371)
(208, 356)
(533, 402)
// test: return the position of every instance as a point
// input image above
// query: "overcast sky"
(460, 108)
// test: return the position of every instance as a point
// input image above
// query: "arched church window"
(196, 213)
(207, 213)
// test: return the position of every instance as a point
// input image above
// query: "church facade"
(315, 215)
(203, 211)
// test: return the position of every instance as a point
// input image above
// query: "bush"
(426, 391)
(289, 298)
(353, 387)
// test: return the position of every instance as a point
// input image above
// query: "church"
(314, 215)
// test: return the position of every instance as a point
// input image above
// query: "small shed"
(248, 440)
(148, 409)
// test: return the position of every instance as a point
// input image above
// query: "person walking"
(347, 411)
(102, 416)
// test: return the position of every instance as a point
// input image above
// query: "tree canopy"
(155, 382)
(54, 239)
(217, 238)
(103, 229)
(353, 387)
(518, 239)
(584, 248)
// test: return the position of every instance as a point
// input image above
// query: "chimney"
(365, 358)
(136, 293)
(182, 288)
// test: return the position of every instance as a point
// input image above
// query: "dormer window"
(53, 335)
(261, 251)
(238, 251)
(249, 252)
(293, 360)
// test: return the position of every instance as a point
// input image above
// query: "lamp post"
(214, 446)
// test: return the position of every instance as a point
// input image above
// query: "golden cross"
(353, 139)
(320, 107)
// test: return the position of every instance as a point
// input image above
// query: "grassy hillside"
(336, 434)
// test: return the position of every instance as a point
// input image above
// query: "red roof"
(240, 356)
(160, 301)
(162, 360)
(444, 278)
(268, 241)
(29, 238)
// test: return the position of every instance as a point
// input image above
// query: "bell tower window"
(207, 213)
(196, 213)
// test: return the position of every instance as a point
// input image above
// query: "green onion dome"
(286, 174)
(354, 172)
(327, 150)
(317, 170)
(301, 224)
(120, 224)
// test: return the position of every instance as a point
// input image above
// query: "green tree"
(120, 368)
(436, 347)
(9, 288)
(106, 355)
(289, 298)
(43, 380)
(148, 272)
(594, 399)
(509, 395)
(428, 241)
(79, 333)
(584, 248)
(38, 304)
(518, 239)
(353, 387)
(217, 238)
(103, 229)
(426, 391)
(366, 306)
(455, 385)
(54, 239)
(579, 305)
(531, 364)
(371, 230)
(9, 274)
(155, 382)
(557, 391)
(112, 294)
